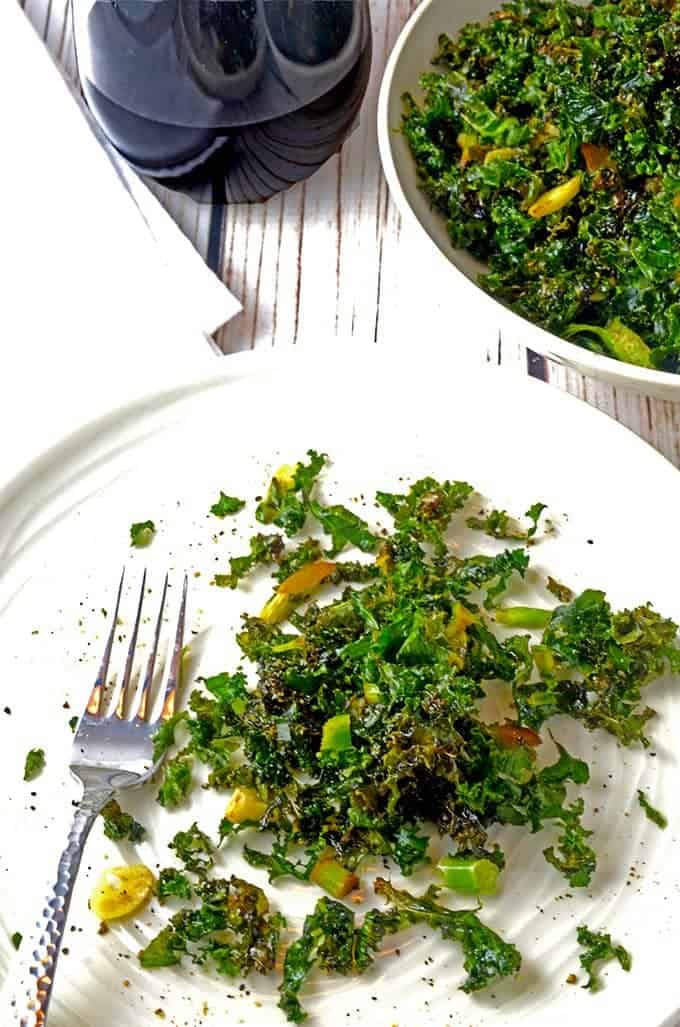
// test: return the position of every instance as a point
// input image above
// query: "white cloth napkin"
(101, 296)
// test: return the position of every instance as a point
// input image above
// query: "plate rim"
(167, 401)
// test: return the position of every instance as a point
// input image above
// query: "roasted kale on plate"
(351, 735)
(549, 139)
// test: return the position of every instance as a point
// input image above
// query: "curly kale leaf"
(510, 790)
(177, 781)
(534, 515)
(173, 883)
(278, 864)
(164, 738)
(264, 549)
(499, 524)
(410, 849)
(298, 964)
(166, 949)
(232, 927)
(328, 940)
(655, 815)
(425, 511)
(229, 689)
(306, 474)
(345, 528)
(599, 948)
(120, 826)
(487, 956)
(572, 856)
(560, 591)
(194, 849)
(490, 573)
(227, 505)
(287, 499)
(34, 764)
(614, 654)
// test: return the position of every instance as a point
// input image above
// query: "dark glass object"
(226, 100)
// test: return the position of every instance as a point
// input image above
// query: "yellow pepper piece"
(285, 476)
(276, 609)
(471, 150)
(555, 198)
(461, 619)
(122, 891)
(245, 804)
(502, 153)
(456, 633)
(307, 577)
(372, 693)
(384, 559)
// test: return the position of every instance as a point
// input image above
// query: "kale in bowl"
(549, 138)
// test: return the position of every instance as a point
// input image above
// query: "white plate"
(63, 538)
(411, 56)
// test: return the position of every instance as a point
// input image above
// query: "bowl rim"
(553, 347)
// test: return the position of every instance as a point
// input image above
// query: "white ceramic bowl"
(411, 56)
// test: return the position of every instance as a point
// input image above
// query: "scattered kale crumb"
(120, 826)
(73, 723)
(227, 505)
(655, 815)
(141, 533)
(34, 764)
(598, 947)
(560, 591)
(16, 939)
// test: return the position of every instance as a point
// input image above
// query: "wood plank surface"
(331, 259)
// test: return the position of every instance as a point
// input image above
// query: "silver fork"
(110, 753)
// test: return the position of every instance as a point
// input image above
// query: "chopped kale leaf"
(655, 815)
(120, 826)
(34, 764)
(599, 948)
(227, 505)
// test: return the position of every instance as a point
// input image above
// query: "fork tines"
(118, 710)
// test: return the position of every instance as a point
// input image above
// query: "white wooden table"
(331, 258)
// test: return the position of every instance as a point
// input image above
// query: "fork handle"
(35, 978)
